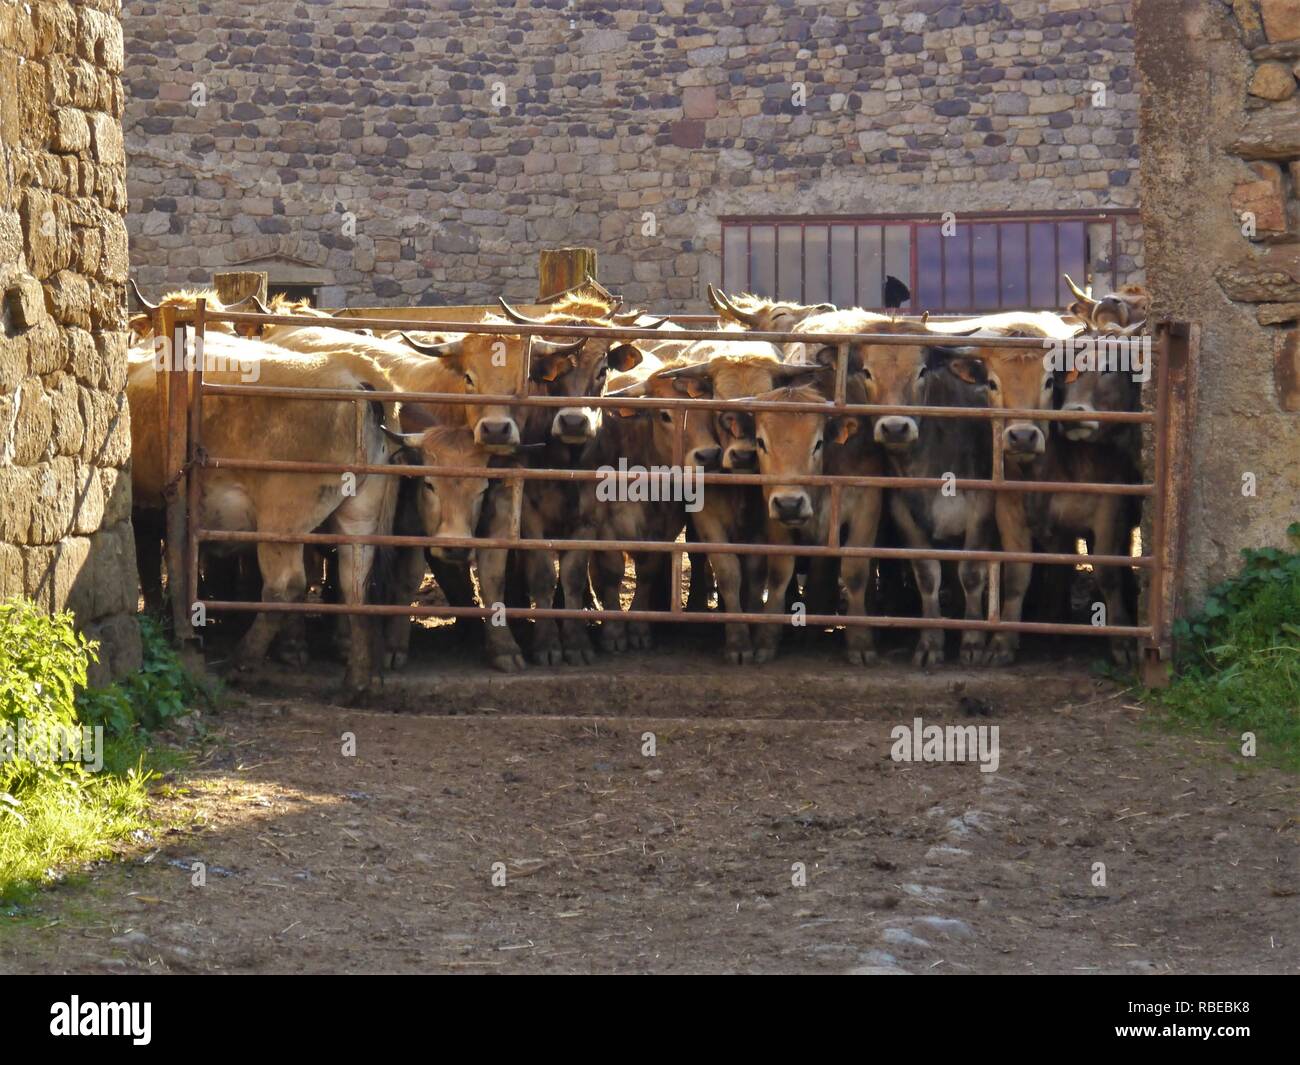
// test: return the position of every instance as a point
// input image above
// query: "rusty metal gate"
(1167, 412)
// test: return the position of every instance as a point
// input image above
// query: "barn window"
(980, 262)
(293, 292)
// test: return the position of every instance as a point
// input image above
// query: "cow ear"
(734, 424)
(628, 412)
(840, 429)
(694, 387)
(624, 357)
(972, 371)
(550, 367)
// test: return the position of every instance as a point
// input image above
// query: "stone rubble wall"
(361, 140)
(65, 442)
(1220, 151)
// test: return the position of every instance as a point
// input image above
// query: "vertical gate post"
(238, 285)
(560, 269)
(174, 383)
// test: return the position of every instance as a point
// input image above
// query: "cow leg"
(407, 578)
(929, 577)
(864, 525)
(701, 587)
(608, 566)
(458, 589)
(1013, 531)
(726, 571)
(974, 579)
(540, 569)
(1110, 537)
(651, 566)
(780, 570)
(574, 566)
(148, 525)
(502, 650)
(283, 581)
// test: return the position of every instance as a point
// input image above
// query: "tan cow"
(271, 502)
(1123, 312)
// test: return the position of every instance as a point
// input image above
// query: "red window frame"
(914, 225)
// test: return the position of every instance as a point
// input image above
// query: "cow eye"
(666, 415)
(428, 484)
(469, 381)
(762, 444)
(817, 446)
(993, 385)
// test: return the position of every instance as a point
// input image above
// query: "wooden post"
(174, 383)
(239, 285)
(560, 269)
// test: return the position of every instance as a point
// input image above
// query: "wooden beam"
(560, 269)
(238, 285)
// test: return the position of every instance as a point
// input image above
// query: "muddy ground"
(617, 861)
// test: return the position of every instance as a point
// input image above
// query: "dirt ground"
(617, 861)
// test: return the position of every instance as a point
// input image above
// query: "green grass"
(1239, 658)
(55, 816)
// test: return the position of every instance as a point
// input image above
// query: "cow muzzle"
(1080, 430)
(1022, 439)
(573, 425)
(790, 508)
(704, 457)
(896, 432)
(458, 555)
(497, 434)
(740, 459)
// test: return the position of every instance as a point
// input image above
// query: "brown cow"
(1122, 312)
(244, 500)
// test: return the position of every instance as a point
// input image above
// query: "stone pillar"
(65, 441)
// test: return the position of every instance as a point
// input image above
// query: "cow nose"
(1024, 439)
(572, 423)
(497, 432)
(455, 554)
(788, 507)
(741, 458)
(706, 456)
(895, 430)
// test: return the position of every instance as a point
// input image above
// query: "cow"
(763, 315)
(1123, 312)
(643, 441)
(274, 502)
(798, 444)
(1024, 378)
(549, 509)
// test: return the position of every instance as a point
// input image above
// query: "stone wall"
(1220, 144)
(65, 491)
(405, 152)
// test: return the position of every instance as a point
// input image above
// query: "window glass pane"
(1015, 263)
(898, 262)
(929, 268)
(985, 253)
(1042, 265)
(1074, 256)
(762, 260)
(843, 267)
(956, 269)
(816, 277)
(735, 244)
(870, 264)
(790, 263)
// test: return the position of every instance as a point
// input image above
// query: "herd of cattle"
(481, 435)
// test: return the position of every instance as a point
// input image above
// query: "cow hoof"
(580, 656)
(861, 658)
(738, 657)
(613, 644)
(548, 656)
(1124, 654)
(640, 641)
(509, 662)
(973, 656)
(293, 655)
(927, 656)
(763, 654)
(396, 660)
(1001, 657)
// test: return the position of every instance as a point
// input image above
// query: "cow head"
(1014, 379)
(1096, 390)
(1123, 312)
(489, 365)
(700, 446)
(588, 370)
(763, 315)
(450, 507)
(735, 377)
(793, 444)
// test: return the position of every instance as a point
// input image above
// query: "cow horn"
(551, 347)
(633, 391)
(436, 351)
(139, 297)
(403, 439)
(695, 369)
(725, 307)
(515, 316)
(626, 318)
(1078, 292)
(258, 305)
